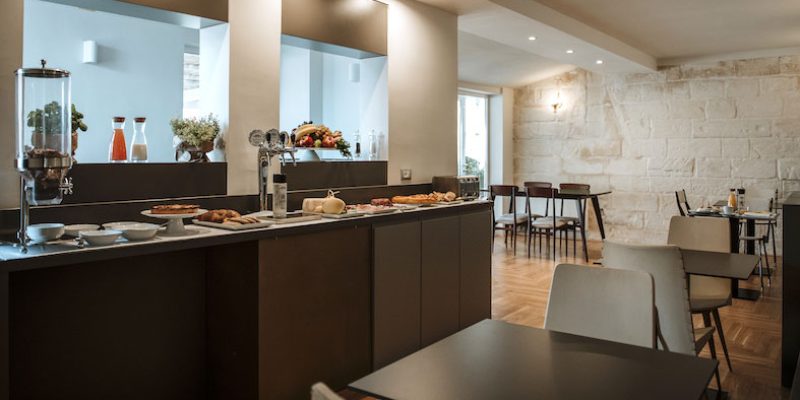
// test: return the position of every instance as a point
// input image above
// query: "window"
(191, 84)
(473, 136)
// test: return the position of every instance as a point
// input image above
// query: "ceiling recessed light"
(531, 38)
(570, 51)
(598, 62)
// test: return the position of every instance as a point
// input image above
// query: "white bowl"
(74, 230)
(100, 238)
(138, 231)
(119, 224)
(40, 233)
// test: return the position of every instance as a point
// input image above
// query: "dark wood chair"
(680, 198)
(574, 223)
(545, 225)
(532, 184)
(511, 221)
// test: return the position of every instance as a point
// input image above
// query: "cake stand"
(175, 225)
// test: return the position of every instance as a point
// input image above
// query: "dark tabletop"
(498, 360)
(721, 265)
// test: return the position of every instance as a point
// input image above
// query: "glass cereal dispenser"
(43, 137)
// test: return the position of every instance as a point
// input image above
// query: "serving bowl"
(138, 231)
(40, 233)
(118, 224)
(74, 230)
(100, 238)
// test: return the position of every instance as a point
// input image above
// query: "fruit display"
(308, 135)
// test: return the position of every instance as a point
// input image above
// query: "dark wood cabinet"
(431, 278)
(396, 291)
(439, 278)
(475, 302)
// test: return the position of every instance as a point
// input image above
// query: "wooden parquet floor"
(520, 288)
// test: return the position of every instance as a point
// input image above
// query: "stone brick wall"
(703, 128)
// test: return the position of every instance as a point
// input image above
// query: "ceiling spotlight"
(570, 51)
(531, 38)
(598, 62)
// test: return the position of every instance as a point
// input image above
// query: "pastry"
(415, 199)
(381, 202)
(218, 216)
(241, 220)
(175, 209)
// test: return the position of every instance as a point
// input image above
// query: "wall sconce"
(557, 105)
(89, 52)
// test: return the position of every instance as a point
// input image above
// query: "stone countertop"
(65, 252)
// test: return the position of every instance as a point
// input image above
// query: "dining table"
(734, 266)
(580, 197)
(499, 360)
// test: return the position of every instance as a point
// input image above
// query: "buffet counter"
(261, 313)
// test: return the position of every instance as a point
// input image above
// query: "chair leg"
(713, 350)
(718, 324)
(766, 258)
(530, 236)
(774, 246)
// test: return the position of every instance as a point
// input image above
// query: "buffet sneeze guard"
(43, 139)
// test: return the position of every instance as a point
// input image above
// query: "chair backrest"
(503, 190)
(575, 188)
(603, 303)
(546, 185)
(665, 264)
(540, 192)
(320, 391)
(680, 198)
(700, 233)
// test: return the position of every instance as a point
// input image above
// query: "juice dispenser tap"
(270, 144)
(43, 139)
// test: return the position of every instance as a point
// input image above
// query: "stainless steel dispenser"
(270, 144)
(43, 139)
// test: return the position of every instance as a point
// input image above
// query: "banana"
(304, 130)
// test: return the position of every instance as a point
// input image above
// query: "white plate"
(74, 230)
(385, 210)
(343, 215)
(233, 227)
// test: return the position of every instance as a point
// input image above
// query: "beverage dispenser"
(43, 138)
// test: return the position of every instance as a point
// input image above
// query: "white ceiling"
(628, 35)
(491, 63)
(690, 28)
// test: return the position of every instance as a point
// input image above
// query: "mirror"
(341, 88)
(131, 61)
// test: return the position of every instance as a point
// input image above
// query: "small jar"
(117, 151)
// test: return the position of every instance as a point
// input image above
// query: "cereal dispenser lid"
(42, 72)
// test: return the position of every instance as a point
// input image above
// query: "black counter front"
(241, 315)
(790, 334)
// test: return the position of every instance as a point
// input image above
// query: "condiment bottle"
(116, 149)
(139, 141)
(279, 198)
(732, 199)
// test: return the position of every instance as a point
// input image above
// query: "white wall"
(215, 77)
(139, 71)
(10, 60)
(295, 86)
(255, 32)
(423, 91)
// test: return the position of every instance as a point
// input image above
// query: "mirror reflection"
(134, 70)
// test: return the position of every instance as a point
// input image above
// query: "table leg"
(582, 216)
(734, 233)
(599, 216)
(743, 294)
(751, 231)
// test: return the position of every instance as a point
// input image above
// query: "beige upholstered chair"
(320, 391)
(581, 297)
(674, 320)
(706, 294)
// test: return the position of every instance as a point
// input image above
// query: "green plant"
(77, 120)
(472, 167)
(194, 131)
(46, 121)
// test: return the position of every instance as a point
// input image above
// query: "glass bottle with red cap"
(139, 141)
(117, 151)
